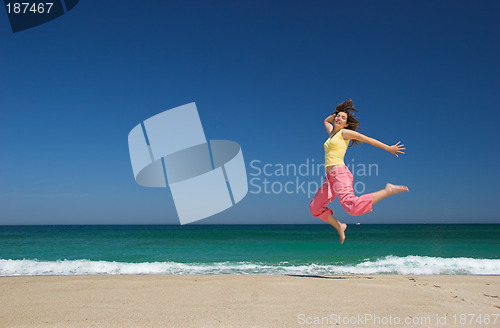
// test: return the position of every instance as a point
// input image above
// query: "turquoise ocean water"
(249, 249)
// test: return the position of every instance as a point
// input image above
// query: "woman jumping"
(341, 127)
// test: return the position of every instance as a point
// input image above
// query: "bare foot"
(393, 189)
(339, 226)
(389, 190)
(341, 232)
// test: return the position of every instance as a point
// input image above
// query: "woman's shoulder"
(346, 134)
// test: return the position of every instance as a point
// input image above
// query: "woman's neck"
(335, 130)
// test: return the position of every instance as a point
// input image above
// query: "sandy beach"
(249, 301)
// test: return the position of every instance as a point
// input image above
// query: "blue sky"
(264, 74)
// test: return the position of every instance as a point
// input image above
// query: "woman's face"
(340, 120)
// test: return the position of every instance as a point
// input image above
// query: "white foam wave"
(417, 265)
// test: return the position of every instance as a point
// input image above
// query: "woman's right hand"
(329, 123)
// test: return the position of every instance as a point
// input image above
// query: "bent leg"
(357, 205)
(318, 205)
(352, 204)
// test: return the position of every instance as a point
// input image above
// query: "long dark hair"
(352, 120)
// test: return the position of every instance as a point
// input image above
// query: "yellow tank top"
(335, 148)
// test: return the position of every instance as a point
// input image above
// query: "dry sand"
(250, 301)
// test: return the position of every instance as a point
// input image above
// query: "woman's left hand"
(397, 149)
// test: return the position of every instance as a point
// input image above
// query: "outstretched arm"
(394, 149)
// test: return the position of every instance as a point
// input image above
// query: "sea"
(426, 249)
